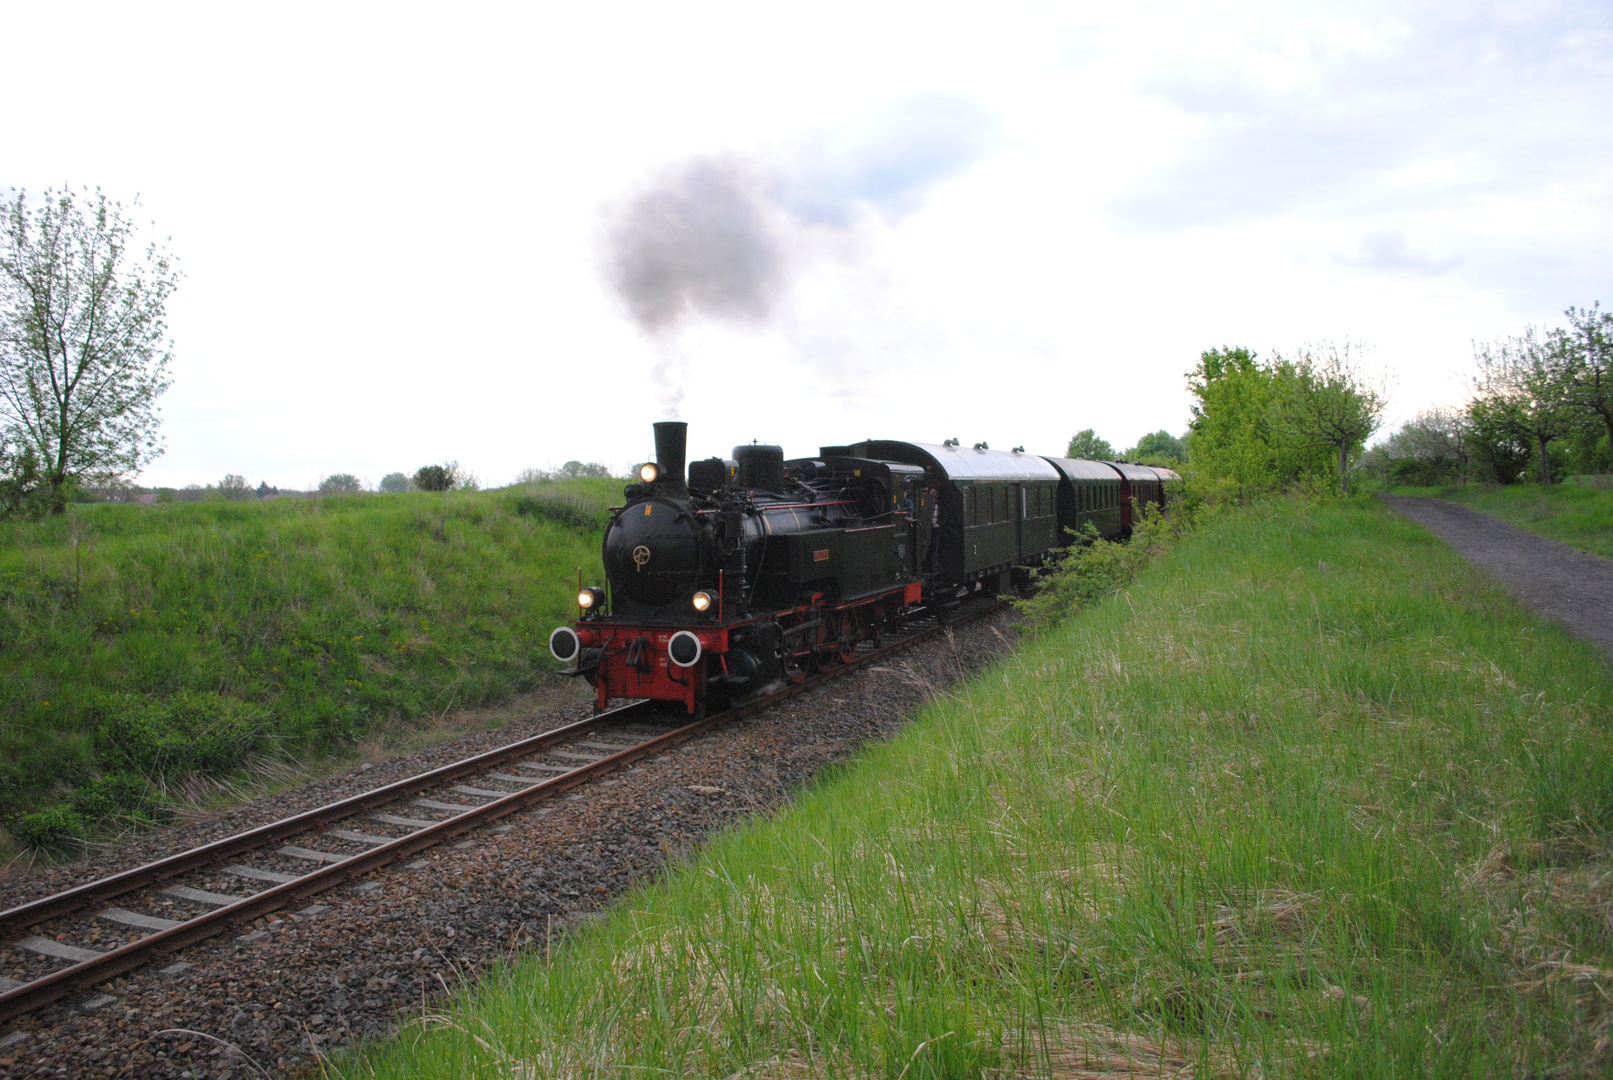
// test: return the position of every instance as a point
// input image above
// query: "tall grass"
(1309, 797)
(1574, 513)
(156, 642)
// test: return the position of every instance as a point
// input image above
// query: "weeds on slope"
(1310, 797)
(1094, 568)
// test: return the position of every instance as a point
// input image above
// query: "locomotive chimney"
(671, 443)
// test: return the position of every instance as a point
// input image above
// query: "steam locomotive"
(753, 569)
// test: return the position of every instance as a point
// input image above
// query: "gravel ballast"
(351, 963)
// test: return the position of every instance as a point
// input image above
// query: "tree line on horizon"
(1541, 408)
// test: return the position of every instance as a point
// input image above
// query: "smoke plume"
(720, 237)
(698, 241)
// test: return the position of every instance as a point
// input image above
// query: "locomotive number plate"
(821, 555)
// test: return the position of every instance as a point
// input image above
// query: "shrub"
(1092, 569)
(51, 829)
(558, 511)
(117, 794)
(191, 732)
(395, 483)
(434, 477)
(23, 487)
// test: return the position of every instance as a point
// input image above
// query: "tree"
(1431, 448)
(1589, 378)
(1086, 444)
(583, 470)
(1324, 398)
(1496, 443)
(1231, 434)
(341, 484)
(1523, 389)
(394, 483)
(83, 355)
(234, 487)
(436, 477)
(1159, 444)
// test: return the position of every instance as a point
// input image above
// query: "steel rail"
(140, 877)
(58, 984)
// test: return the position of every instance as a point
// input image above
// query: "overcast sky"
(514, 236)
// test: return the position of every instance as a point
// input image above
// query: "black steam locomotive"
(755, 569)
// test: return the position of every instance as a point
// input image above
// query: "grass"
(1574, 513)
(140, 645)
(1310, 797)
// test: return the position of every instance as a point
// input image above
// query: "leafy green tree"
(1589, 383)
(1432, 448)
(1323, 398)
(341, 484)
(395, 483)
(1232, 438)
(1086, 444)
(234, 487)
(1161, 445)
(1497, 444)
(83, 349)
(1523, 387)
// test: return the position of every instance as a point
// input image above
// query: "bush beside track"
(141, 645)
(1310, 796)
(1573, 512)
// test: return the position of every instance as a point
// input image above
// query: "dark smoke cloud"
(720, 237)
(698, 241)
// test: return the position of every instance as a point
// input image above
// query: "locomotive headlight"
(591, 599)
(702, 601)
(647, 472)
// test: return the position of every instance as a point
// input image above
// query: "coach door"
(916, 500)
(1016, 512)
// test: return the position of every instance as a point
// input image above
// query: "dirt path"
(1571, 586)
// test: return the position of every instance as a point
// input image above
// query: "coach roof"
(1134, 472)
(1081, 469)
(957, 462)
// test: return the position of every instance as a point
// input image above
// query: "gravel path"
(1563, 583)
(348, 965)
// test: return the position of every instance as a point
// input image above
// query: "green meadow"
(143, 645)
(1308, 797)
(1573, 512)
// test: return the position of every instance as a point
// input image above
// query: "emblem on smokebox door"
(641, 555)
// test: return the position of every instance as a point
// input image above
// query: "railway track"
(87, 935)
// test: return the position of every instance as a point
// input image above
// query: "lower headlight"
(703, 601)
(591, 599)
(684, 649)
(565, 645)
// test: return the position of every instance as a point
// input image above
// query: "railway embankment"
(1310, 796)
(162, 657)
